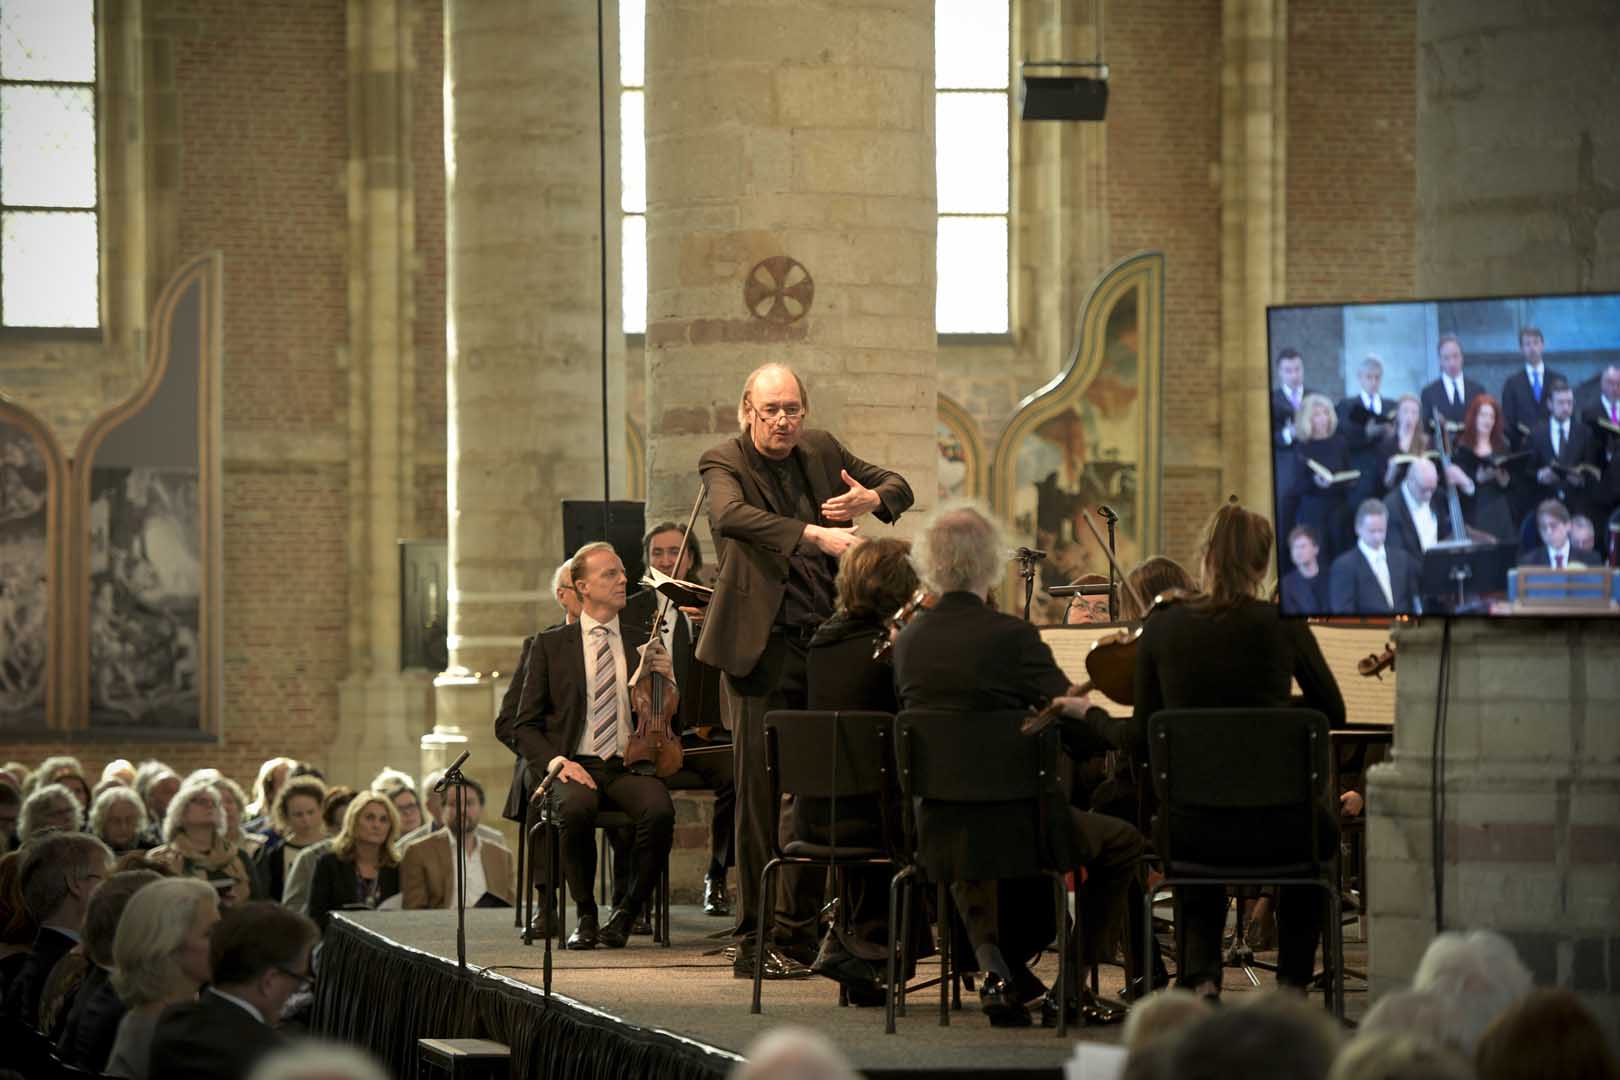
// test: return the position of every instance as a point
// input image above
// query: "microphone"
(1107, 513)
(1029, 554)
(455, 767)
(551, 777)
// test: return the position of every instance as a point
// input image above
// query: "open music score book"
(1346, 476)
(1575, 470)
(682, 593)
(1497, 461)
(1602, 425)
(1407, 459)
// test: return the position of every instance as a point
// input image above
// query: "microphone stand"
(453, 776)
(1026, 570)
(1112, 519)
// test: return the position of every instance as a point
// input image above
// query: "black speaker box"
(625, 521)
(1062, 97)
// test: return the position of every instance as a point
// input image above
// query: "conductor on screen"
(1373, 578)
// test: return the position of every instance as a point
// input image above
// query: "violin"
(653, 746)
(921, 600)
(1373, 665)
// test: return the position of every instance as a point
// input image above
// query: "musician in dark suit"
(783, 503)
(574, 712)
(1304, 589)
(260, 955)
(962, 654)
(1555, 549)
(1362, 423)
(1525, 393)
(1559, 439)
(1452, 391)
(704, 739)
(1287, 395)
(1416, 520)
(1224, 649)
(1373, 578)
(1601, 418)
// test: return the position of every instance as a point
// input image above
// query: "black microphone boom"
(455, 766)
(551, 777)
(1107, 512)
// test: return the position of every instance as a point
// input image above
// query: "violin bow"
(1124, 581)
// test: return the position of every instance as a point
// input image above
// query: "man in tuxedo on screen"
(1287, 394)
(1416, 520)
(1526, 393)
(1362, 437)
(1452, 391)
(1373, 578)
(1561, 440)
(573, 712)
(1555, 549)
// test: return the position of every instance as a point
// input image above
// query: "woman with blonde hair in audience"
(51, 806)
(296, 817)
(401, 791)
(196, 845)
(160, 958)
(362, 869)
(118, 818)
(118, 769)
(68, 772)
(272, 775)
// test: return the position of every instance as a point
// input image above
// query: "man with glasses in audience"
(261, 956)
(784, 500)
(59, 871)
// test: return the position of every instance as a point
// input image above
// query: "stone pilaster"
(798, 128)
(1515, 195)
(524, 304)
(1253, 231)
(382, 711)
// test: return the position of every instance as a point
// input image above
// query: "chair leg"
(765, 915)
(1060, 895)
(895, 890)
(907, 892)
(1149, 944)
(944, 958)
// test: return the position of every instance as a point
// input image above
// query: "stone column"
(524, 305)
(1517, 192)
(797, 128)
(382, 711)
(1253, 232)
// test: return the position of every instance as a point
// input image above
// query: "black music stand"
(1452, 571)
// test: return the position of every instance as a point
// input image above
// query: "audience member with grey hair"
(793, 1053)
(1433, 1015)
(1480, 971)
(91, 1021)
(118, 818)
(1278, 1036)
(1162, 1013)
(119, 769)
(960, 550)
(59, 871)
(157, 785)
(400, 787)
(66, 770)
(51, 806)
(160, 958)
(196, 843)
(316, 1060)
(1405, 1056)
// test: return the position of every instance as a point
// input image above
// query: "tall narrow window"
(50, 265)
(972, 60)
(633, 160)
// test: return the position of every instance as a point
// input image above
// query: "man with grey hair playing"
(962, 654)
(784, 500)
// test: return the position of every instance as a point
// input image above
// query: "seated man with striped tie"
(574, 712)
(1555, 550)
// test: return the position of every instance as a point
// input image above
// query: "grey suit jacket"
(754, 536)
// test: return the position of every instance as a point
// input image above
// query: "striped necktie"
(604, 698)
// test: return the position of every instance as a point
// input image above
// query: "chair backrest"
(824, 754)
(970, 757)
(1240, 785)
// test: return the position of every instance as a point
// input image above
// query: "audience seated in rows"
(160, 958)
(295, 892)
(59, 872)
(156, 784)
(92, 1009)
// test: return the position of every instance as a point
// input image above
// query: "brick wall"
(1352, 118)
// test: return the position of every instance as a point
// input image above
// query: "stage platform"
(390, 978)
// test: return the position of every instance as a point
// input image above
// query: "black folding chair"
(1231, 779)
(832, 756)
(982, 759)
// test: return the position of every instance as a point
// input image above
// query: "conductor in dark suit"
(574, 712)
(260, 954)
(1526, 394)
(962, 654)
(1416, 522)
(783, 502)
(1373, 578)
(1452, 391)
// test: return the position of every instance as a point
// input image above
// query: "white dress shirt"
(250, 1008)
(1373, 403)
(1560, 436)
(477, 884)
(1428, 528)
(616, 641)
(1454, 389)
(1380, 568)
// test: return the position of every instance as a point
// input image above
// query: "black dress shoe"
(540, 925)
(778, 965)
(1087, 1009)
(616, 931)
(715, 900)
(643, 924)
(1000, 1004)
(585, 934)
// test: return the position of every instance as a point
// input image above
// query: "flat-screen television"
(1447, 456)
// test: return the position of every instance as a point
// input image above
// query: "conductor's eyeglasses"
(771, 413)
